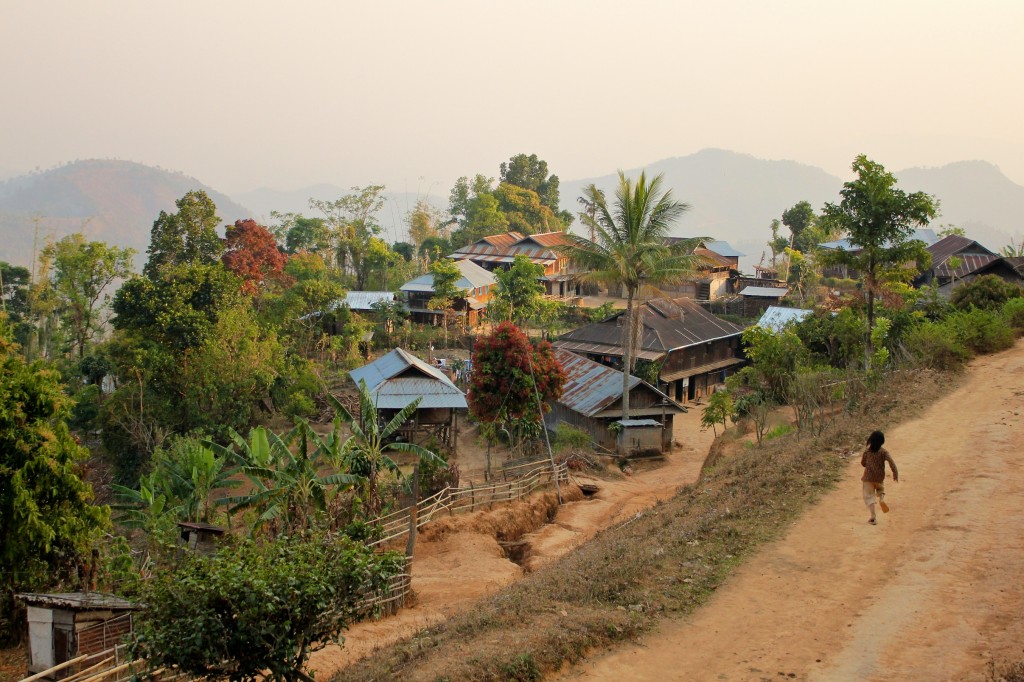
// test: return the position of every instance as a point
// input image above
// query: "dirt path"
(452, 572)
(933, 592)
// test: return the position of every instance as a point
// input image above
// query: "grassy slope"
(667, 561)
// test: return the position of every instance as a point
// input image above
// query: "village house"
(500, 250)
(758, 299)
(396, 379)
(956, 260)
(478, 283)
(592, 401)
(715, 276)
(63, 627)
(693, 349)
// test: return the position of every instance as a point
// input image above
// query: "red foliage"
(250, 251)
(501, 386)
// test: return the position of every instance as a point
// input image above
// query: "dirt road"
(933, 592)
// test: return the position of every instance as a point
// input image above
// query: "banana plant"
(367, 452)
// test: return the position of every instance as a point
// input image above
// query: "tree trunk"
(870, 282)
(627, 351)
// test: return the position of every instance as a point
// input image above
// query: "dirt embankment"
(933, 592)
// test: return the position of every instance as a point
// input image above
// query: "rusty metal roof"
(591, 387)
(504, 248)
(79, 601)
(666, 325)
(399, 377)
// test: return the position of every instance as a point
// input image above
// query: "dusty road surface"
(453, 570)
(933, 592)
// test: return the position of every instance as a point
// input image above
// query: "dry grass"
(666, 561)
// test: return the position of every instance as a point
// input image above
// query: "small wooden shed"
(639, 435)
(62, 627)
(201, 538)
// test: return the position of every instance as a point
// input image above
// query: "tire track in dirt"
(933, 592)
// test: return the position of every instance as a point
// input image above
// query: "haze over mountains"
(732, 196)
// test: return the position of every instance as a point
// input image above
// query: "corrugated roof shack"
(639, 436)
(62, 627)
(201, 538)
(592, 401)
(396, 379)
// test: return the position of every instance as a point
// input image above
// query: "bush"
(980, 331)
(1013, 313)
(930, 345)
(988, 292)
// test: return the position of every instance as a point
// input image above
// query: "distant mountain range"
(112, 201)
(733, 197)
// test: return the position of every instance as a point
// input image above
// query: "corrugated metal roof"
(396, 379)
(924, 234)
(399, 392)
(767, 292)
(666, 325)
(504, 248)
(723, 249)
(590, 386)
(364, 300)
(968, 263)
(473, 276)
(776, 317)
(605, 349)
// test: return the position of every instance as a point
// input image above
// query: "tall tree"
(530, 172)
(424, 220)
(800, 220)
(446, 275)
(188, 236)
(880, 221)
(631, 249)
(82, 271)
(352, 222)
(47, 518)
(519, 290)
(251, 253)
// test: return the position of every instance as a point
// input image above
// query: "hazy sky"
(412, 94)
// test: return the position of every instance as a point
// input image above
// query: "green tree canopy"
(519, 291)
(258, 610)
(880, 221)
(81, 272)
(351, 222)
(47, 517)
(187, 236)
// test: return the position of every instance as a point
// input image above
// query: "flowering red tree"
(506, 370)
(250, 251)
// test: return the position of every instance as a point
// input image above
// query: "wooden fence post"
(414, 510)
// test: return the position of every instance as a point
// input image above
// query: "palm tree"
(631, 249)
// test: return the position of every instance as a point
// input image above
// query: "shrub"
(980, 331)
(930, 345)
(1013, 313)
(988, 292)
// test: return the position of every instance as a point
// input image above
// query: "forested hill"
(113, 201)
(735, 196)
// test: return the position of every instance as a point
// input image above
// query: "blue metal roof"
(364, 300)
(770, 292)
(399, 377)
(775, 317)
(723, 249)
(473, 276)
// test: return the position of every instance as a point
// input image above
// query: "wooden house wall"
(596, 428)
(693, 357)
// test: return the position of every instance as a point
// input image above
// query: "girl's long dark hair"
(876, 440)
